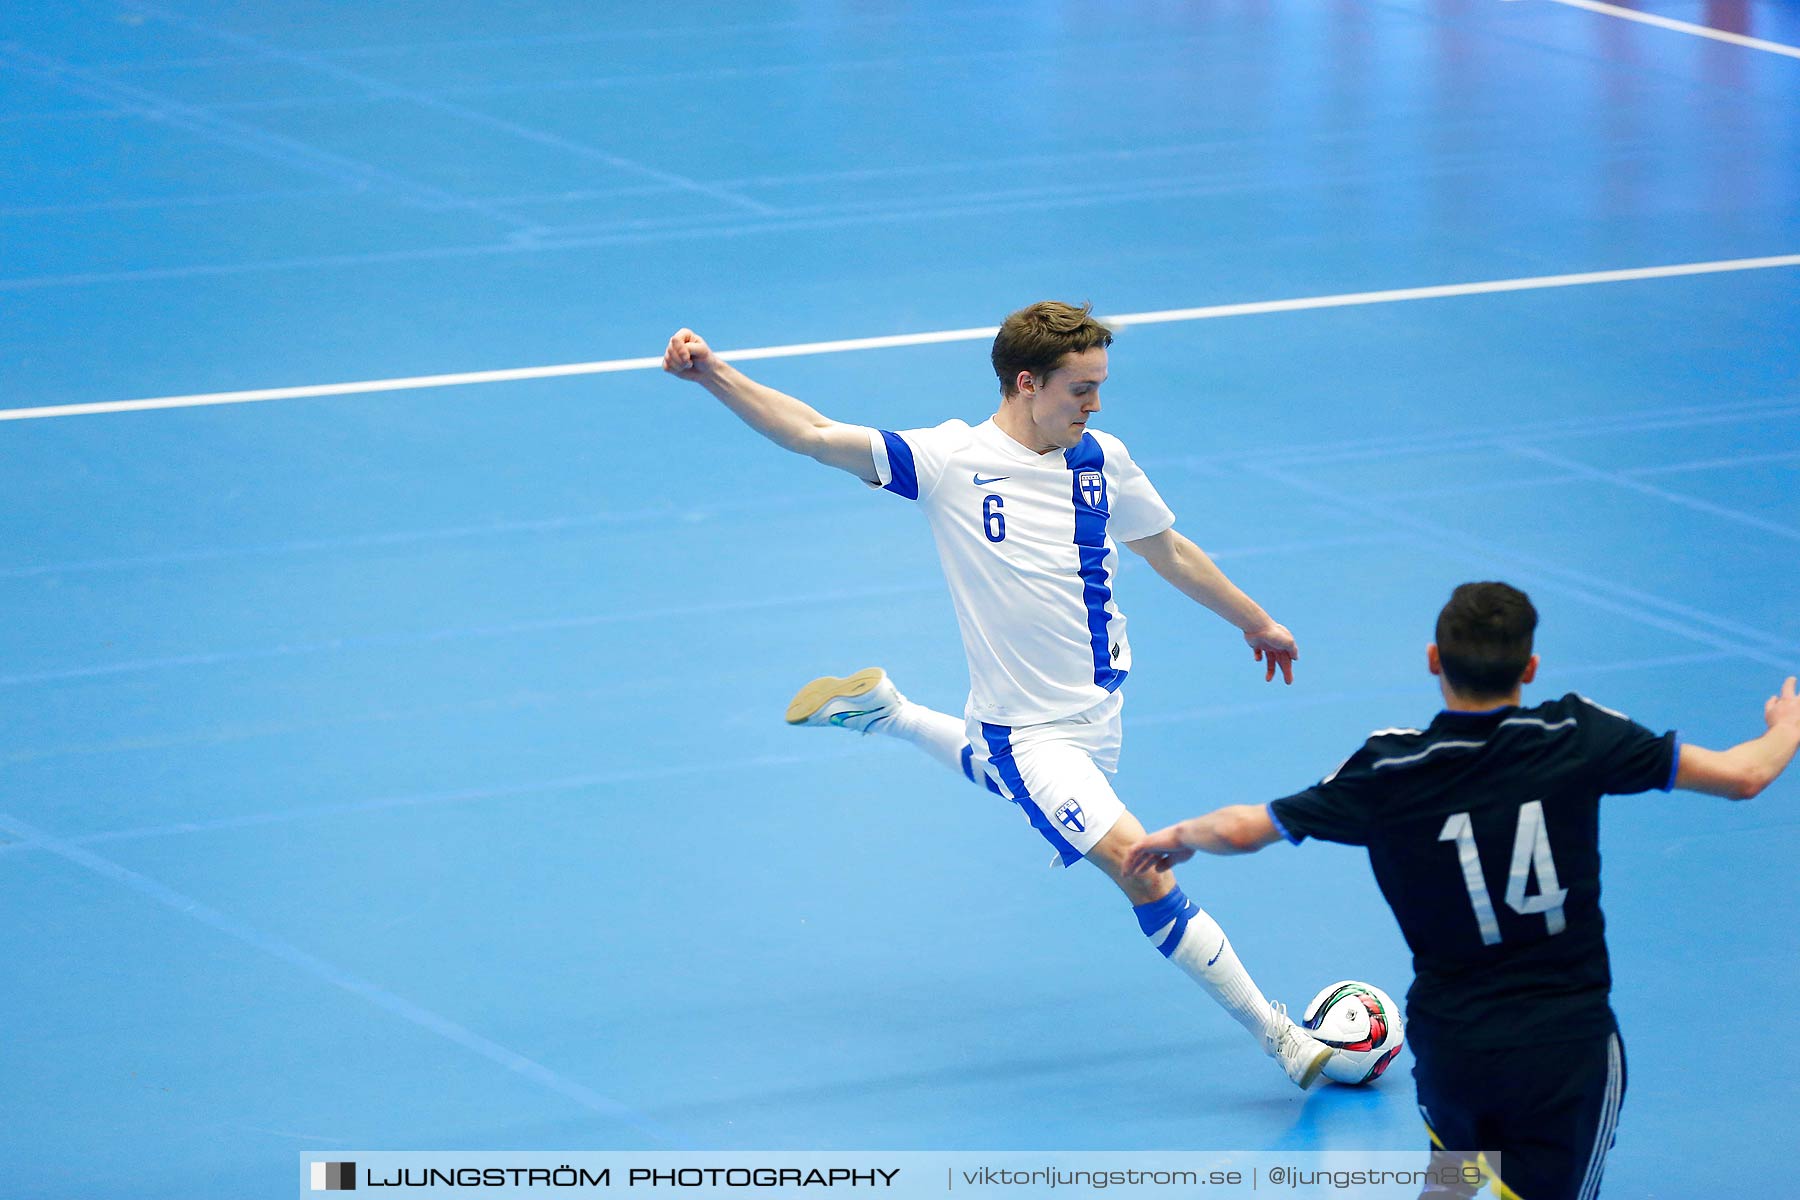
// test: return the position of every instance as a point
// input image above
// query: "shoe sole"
(815, 695)
(1310, 1076)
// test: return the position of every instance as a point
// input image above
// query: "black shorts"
(1549, 1111)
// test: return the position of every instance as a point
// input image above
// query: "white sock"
(1193, 941)
(940, 735)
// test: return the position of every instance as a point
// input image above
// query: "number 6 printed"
(992, 520)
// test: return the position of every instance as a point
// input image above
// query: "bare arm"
(1748, 767)
(789, 423)
(1185, 565)
(1234, 829)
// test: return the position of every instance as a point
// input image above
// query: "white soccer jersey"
(1027, 544)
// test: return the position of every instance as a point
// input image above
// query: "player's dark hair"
(1484, 638)
(1037, 337)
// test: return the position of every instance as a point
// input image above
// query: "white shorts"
(1056, 773)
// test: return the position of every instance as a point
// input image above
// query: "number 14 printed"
(1531, 852)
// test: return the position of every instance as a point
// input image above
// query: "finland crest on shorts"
(1071, 817)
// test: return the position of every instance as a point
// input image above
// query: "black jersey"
(1484, 833)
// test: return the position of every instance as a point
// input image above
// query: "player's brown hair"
(1039, 336)
(1484, 638)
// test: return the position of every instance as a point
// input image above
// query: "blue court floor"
(405, 769)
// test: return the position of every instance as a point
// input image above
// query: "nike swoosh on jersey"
(980, 482)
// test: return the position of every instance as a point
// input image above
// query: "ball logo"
(1071, 816)
(1377, 1022)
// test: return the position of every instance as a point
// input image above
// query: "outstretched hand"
(1274, 647)
(1783, 709)
(1157, 852)
(688, 355)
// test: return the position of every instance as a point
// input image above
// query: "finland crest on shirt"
(1028, 546)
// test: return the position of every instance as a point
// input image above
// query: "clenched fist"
(688, 355)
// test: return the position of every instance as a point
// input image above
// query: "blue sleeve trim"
(1674, 761)
(905, 478)
(1279, 827)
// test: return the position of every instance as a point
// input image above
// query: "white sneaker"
(1301, 1055)
(856, 702)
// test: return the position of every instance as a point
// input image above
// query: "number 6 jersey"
(1027, 542)
(1484, 834)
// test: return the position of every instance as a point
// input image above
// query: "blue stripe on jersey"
(903, 477)
(1090, 538)
(1674, 766)
(1000, 757)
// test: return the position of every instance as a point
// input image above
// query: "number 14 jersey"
(1484, 834)
(1027, 542)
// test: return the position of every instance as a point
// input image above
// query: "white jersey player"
(1028, 509)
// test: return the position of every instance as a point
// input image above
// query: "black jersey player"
(1483, 832)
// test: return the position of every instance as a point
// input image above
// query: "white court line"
(1705, 31)
(1164, 316)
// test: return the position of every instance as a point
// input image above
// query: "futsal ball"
(1362, 1024)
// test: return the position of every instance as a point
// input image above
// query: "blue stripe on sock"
(1153, 916)
(1000, 757)
(968, 766)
